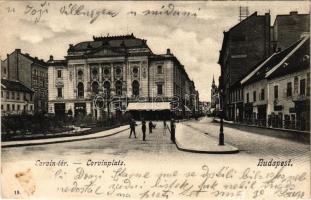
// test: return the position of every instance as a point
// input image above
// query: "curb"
(206, 152)
(54, 142)
(178, 146)
(299, 136)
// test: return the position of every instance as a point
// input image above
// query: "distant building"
(205, 107)
(31, 72)
(214, 104)
(244, 46)
(117, 71)
(16, 98)
(289, 28)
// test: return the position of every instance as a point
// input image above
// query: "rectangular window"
(302, 86)
(59, 73)
(7, 94)
(247, 97)
(8, 107)
(13, 107)
(18, 96)
(160, 89)
(18, 107)
(296, 85)
(308, 84)
(289, 89)
(276, 92)
(254, 96)
(13, 95)
(1, 107)
(31, 107)
(59, 92)
(262, 94)
(160, 69)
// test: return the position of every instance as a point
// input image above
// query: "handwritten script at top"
(222, 183)
(38, 10)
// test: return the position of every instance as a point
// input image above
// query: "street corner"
(192, 140)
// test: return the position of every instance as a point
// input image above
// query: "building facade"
(289, 90)
(16, 98)
(244, 46)
(288, 28)
(250, 43)
(31, 72)
(100, 77)
(277, 91)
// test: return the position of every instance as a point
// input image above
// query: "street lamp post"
(221, 131)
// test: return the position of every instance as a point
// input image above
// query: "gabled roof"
(298, 59)
(14, 86)
(261, 70)
(34, 59)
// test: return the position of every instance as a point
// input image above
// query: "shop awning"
(148, 106)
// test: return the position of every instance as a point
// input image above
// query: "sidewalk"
(302, 136)
(100, 134)
(191, 140)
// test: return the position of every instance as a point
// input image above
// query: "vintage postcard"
(155, 100)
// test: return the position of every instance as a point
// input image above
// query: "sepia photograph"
(155, 100)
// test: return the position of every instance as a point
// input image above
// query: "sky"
(40, 29)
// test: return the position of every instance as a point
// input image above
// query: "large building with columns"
(101, 77)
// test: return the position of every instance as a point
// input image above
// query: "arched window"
(106, 71)
(118, 71)
(94, 72)
(80, 90)
(80, 73)
(95, 87)
(107, 88)
(119, 88)
(135, 88)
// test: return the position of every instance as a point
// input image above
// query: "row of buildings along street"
(99, 79)
(265, 72)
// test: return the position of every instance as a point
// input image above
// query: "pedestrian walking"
(173, 130)
(143, 128)
(150, 126)
(132, 127)
(164, 125)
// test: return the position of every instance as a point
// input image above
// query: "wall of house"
(286, 102)
(288, 28)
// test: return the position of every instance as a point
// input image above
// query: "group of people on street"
(133, 125)
(151, 126)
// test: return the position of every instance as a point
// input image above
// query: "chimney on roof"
(27, 54)
(168, 51)
(36, 58)
(18, 50)
(51, 57)
(293, 13)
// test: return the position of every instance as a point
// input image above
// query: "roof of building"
(34, 59)
(14, 86)
(288, 18)
(114, 42)
(261, 70)
(57, 62)
(297, 60)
